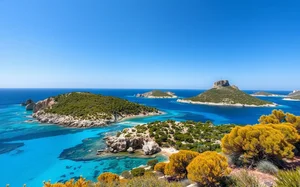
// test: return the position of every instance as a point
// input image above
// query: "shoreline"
(289, 99)
(159, 97)
(268, 95)
(72, 122)
(224, 104)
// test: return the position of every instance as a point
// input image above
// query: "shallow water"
(31, 152)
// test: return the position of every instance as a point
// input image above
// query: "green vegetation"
(229, 95)
(137, 172)
(152, 163)
(288, 178)
(267, 167)
(151, 181)
(158, 93)
(187, 135)
(92, 106)
(263, 93)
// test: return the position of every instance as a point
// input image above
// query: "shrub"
(137, 172)
(126, 175)
(150, 181)
(256, 143)
(288, 178)
(81, 182)
(244, 179)
(178, 163)
(160, 167)
(208, 168)
(267, 167)
(108, 178)
(152, 163)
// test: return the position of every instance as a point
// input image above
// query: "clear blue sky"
(150, 43)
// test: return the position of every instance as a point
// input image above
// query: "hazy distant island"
(293, 96)
(224, 94)
(266, 94)
(83, 110)
(157, 94)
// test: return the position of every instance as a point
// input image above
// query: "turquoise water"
(31, 152)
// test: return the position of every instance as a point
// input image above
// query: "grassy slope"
(90, 106)
(158, 93)
(228, 95)
(263, 93)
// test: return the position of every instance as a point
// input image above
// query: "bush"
(208, 168)
(178, 163)
(126, 175)
(137, 172)
(160, 167)
(150, 181)
(152, 163)
(267, 167)
(244, 179)
(256, 143)
(288, 178)
(80, 182)
(108, 178)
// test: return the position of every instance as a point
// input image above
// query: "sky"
(255, 44)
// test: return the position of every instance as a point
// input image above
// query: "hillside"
(224, 94)
(157, 94)
(294, 93)
(262, 93)
(87, 109)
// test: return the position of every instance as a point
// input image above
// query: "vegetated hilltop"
(157, 94)
(223, 93)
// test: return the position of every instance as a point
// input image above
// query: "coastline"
(70, 121)
(224, 104)
(289, 99)
(268, 95)
(160, 97)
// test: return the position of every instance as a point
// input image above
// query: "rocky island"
(293, 96)
(265, 94)
(157, 94)
(155, 136)
(224, 94)
(83, 110)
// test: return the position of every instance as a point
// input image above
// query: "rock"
(28, 101)
(130, 150)
(41, 105)
(30, 106)
(221, 83)
(151, 148)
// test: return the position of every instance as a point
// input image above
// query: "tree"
(160, 167)
(108, 178)
(178, 163)
(257, 142)
(208, 168)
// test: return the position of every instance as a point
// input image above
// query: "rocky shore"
(224, 104)
(157, 94)
(124, 143)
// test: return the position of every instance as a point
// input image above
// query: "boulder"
(150, 148)
(41, 105)
(221, 83)
(28, 101)
(130, 150)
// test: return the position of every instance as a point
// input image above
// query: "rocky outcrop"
(30, 106)
(221, 83)
(294, 93)
(121, 143)
(157, 94)
(42, 105)
(28, 101)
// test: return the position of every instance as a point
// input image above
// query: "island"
(159, 136)
(157, 94)
(265, 94)
(84, 109)
(223, 94)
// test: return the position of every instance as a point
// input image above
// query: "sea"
(31, 153)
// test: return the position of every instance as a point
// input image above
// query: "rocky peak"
(221, 83)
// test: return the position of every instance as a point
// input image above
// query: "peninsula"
(157, 94)
(156, 136)
(83, 110)
(223, 94)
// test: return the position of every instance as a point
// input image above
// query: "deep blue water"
(29, 152)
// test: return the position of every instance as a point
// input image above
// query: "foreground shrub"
(126, 175)
(160, 167)
(178, 163)
(152, 163)
(267, 167)
(150, 181)
(288, 178)
(137, 172)
(108, 178)
(245, 179)
(256, 143)
(208, 168)
(81, 182)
